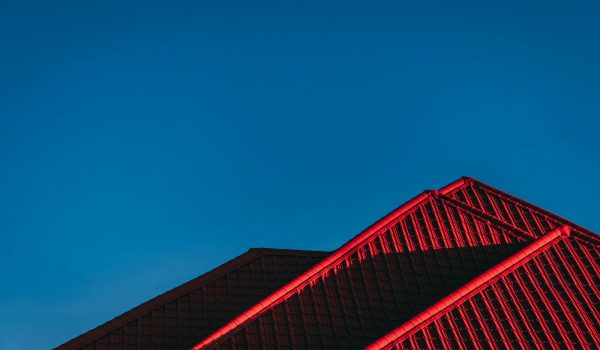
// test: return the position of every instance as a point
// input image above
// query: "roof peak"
(356, 242)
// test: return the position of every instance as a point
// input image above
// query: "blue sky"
(143, 143)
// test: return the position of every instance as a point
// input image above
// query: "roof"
(181, 316)
(467, 266)
(541, 297)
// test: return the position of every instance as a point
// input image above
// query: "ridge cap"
(579, 231)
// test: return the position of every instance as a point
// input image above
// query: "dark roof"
(414, 278)
(466, 267)
(181, 316)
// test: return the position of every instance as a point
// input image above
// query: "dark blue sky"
(143, 143)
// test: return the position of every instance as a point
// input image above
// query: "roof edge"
(581, 232)
(474, 286)
(283, 251)
(317, 270)
(177, 292)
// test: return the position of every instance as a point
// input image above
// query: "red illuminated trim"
(445, 194)
(578, 232)
(456, 184)
(436, 310)
(322, 267)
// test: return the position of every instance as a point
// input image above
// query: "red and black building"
(463, 267)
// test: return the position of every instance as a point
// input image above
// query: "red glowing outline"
(341, 253)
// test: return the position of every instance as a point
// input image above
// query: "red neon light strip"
(317, 270)
(438, 309)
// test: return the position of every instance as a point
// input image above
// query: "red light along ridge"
(317, 270)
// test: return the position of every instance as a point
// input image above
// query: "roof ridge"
(578, 231)
(320, 268)
(283, 251)
(483, 215)
(474, 286)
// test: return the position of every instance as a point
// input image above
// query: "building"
(463, 267)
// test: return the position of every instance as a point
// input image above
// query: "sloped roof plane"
(465, 246)
(547, 301)
(177, 318)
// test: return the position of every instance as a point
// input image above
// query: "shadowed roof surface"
(179, 317)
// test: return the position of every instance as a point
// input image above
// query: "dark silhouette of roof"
(463, 267)
(181, 316)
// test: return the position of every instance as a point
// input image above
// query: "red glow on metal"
(463, 267)
(312, 274)
(351, 287)
(485, 279)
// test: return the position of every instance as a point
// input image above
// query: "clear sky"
(143, 143)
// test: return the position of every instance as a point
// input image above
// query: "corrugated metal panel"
(178, 318)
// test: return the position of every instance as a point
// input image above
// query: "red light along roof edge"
(474, 286)
(322, 266)
(511, 229)
(583, 234)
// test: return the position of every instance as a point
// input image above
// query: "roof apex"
(349, 247)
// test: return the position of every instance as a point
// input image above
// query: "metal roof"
(463, 267)
(421, 267)
(541, 297)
